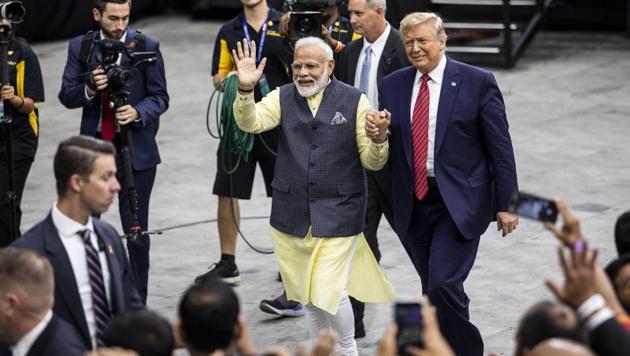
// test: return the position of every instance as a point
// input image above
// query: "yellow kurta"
(317, 269)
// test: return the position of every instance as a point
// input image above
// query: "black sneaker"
(281, 306)
(223, 271)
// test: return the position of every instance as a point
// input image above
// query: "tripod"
(6, 125)
(117, 100)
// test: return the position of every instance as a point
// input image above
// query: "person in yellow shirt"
(328, 134)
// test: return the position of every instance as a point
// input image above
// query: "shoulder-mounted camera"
(307, 18)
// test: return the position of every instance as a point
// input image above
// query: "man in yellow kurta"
(328, 135)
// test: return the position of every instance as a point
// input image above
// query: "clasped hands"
(376, 124)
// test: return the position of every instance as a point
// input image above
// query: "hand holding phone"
(408, 317)
(533, 207)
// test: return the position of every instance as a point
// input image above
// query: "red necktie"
(108, 131)
(420, 139)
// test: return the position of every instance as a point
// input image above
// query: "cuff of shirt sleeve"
(246, 96)
(87, 96)
(594, 312)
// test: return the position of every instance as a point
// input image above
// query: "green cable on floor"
(234, 141)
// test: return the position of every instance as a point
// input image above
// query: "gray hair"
(418, 18)
(315, 41)
(377, 3)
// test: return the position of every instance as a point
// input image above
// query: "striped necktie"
(420, 139)
(102, 313)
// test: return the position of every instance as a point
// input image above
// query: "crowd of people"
(369, 102)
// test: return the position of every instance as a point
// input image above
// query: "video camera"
(306, 17)
(12, 11)
(118, 77)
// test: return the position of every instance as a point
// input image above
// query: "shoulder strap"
(141, 41)
(87, 44)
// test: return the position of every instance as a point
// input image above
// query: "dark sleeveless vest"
(319, 180)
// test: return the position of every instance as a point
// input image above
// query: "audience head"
(85, 168)
(545, 320)
(622, 233)
(142, 331)
(368, 17)
(618, 272)
(424, 39)
(208, 317)
(26, 292)
(559, 347)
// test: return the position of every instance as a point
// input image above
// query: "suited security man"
(93, 280)
(27, 323)
(148, 99)
(363, 64)
(453, 164)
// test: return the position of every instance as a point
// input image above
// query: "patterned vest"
(319, 181)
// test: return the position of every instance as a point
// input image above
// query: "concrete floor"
(568, 107)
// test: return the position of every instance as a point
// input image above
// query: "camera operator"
(24, 90)
(148, 99)
(336, 29)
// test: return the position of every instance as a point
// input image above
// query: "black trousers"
(22, 165)
(379, 203)
(443, 259)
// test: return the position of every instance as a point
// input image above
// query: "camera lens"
(119, 77)
(305, 26)
(12, 10)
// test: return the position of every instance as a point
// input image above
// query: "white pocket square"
(338, 119)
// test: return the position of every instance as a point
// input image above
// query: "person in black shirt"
(24, 91)
(258, 22)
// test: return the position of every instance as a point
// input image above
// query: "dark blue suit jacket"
(58, 339)
(44, 238)
(474, 162)
(147, 95)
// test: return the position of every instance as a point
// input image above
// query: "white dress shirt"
(22, 347)
(73, 243)
(435, 87)
(377, 50)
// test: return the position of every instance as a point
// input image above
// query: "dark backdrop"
(58, 19)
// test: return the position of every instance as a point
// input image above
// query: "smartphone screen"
(533, 207)
(408, 317)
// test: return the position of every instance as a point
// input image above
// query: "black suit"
(58, 339)
(610, 338)
(379, 183)
(45, 239)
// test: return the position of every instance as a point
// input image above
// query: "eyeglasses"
(309, 66)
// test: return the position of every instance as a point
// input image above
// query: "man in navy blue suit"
(27, 324)
(453, 166)
(148, 99)
(93, 279)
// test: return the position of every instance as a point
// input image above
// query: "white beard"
(320, 84)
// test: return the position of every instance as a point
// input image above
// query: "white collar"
(66, 226)
(437, 74)
(23, 346)
(380, 41)
(122, 39)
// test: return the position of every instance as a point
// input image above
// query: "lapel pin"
(453, 84)
(110, 250)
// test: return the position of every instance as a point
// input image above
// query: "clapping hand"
(376, 124)
(246, 69)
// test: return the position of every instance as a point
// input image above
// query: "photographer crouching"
(134, 105)
(22, 88)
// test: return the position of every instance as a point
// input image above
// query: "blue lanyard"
(262, 37)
